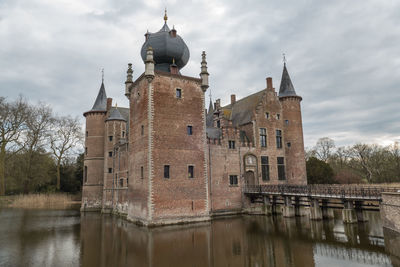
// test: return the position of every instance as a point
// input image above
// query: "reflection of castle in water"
(240, 241)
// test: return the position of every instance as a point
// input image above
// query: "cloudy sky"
(343, 56)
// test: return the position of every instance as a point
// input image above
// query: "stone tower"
(293, 131)
(92, 189)
(115, 131)
(167, 137)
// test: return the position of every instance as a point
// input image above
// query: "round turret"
(167, 47)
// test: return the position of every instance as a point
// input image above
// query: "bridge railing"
(322, 190)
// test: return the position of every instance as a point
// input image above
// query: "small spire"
(284, 59)
(129, 73)
(102, 75)
(165, 15)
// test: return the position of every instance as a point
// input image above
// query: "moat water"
(69, 238)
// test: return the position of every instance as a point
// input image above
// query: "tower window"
(233, 180)
(218, 124)
(166, 171)
(189, 130)
(123, 134)
(121, 182)
(191, 171)
(87, 133)
(142, 130)
(264, 168)
(289, 144)
(109, 170)
(278, 116)
(231, 144)
(266, 115)
(141, 172)
(281, 168)
(110, 154)
(263, 137)
(178, 93)
(110, 138)
(278, 139)
(287, 122)
(86, 150)
(85, 174)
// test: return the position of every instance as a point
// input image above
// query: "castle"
(166, 159)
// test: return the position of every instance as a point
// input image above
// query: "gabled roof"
(101, 100)
(115, 115)
(241, 112)
(286, 88)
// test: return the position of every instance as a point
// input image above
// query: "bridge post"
(267, 205)
(288, 209)
(327, 213)
(360, 213)
(315, 209)
(348, 212)
(273, 205)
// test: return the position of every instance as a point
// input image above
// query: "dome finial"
(165, 15)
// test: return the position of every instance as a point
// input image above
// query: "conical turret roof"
(115, 115)
(286, 88)
(101, 101)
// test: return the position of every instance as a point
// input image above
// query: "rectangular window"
(191, 171)
(289, 144)
(189, 130)
(86, 150)
(110, 138)
(121, 182)
(109, 170)
(142, 130)
(85, 174)
(287, 122)
(263, 137)
(110, 154)
(233, 180)
(266, 115)
(278, 116)
(127, 181)
(218, 124)
(87, 133)
(178, 93)
(166, 171)
(278, 139)
(264, 168)
(123, 134)
(141, 172)
(231, 144)
(281, 168)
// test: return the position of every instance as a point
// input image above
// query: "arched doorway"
(249, 178)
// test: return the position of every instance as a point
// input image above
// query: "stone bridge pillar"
(348, 212)
(267, 205)
(315, 210)
(360, 213)
(288, 209)
(327, 213)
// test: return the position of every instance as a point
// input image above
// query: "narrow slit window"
(189, 130)
(191, 171)
(166, 171)
(178, 93)
(141, 172)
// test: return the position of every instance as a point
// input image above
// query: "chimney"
(269, 83)
(109, 103)
(217, 103)
(233, 99)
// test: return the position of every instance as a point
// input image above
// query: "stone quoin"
(166, 159)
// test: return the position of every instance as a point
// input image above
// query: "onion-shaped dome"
(167, 47)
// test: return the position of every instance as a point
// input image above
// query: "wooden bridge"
(316, 200)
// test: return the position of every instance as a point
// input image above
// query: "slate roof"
(101, 100)
(213, 132)
(210, 115)
(241, 112)
(286, 88)
(115, 115)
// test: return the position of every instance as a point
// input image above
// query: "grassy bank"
(40, 201)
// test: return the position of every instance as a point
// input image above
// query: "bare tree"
(12, 123)
(65, 135)
(324, 148)
(38, 124)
